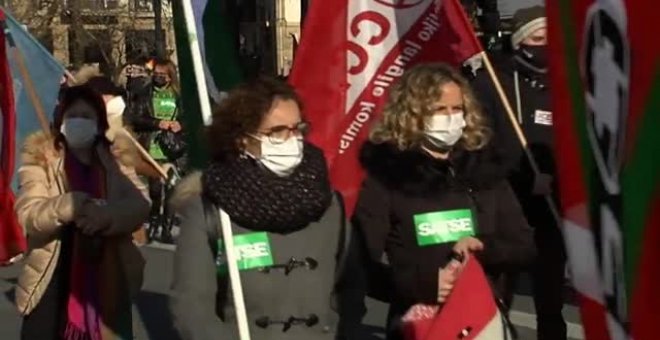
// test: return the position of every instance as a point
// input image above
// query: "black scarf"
(260, 200)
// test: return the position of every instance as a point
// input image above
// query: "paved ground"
(152, 320)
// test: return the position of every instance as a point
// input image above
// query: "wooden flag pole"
(145, 155)
(32, 94)
(516, 127)
(225, 221)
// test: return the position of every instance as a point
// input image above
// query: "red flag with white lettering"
(350, 54)
(12, 241)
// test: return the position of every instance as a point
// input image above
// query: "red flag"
(470, 312)
(606, 85)
(350, 54)
(12, 241)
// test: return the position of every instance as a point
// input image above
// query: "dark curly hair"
(242, 112)
(91, 97)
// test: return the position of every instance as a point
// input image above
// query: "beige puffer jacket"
(43, 206)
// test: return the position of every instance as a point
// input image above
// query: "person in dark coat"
(153, 108)
(275, 188)
(426, 194)
(524, 77)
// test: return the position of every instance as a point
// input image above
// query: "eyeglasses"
(281, 133)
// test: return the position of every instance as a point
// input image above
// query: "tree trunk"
(77, 33)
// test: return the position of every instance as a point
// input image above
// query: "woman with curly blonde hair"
(427, 165)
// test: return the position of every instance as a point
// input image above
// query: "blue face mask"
(79, 133)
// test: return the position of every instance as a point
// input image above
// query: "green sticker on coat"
(443, 226)
(252, 251)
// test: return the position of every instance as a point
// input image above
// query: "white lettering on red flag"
(377, 40)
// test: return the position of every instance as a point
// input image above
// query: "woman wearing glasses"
(286, 224)
(430, 192)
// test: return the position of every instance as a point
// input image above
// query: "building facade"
(110, 33)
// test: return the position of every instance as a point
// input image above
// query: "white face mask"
(444, 131)
(283, 158)
(115, 107)
(79, 132)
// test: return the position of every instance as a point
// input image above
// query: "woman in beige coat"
(79, 207)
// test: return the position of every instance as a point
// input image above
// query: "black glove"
(542, 184)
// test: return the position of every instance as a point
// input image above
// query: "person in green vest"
(151, 112)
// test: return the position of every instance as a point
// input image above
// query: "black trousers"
(548, 281)
(48, 319)
(157, 196)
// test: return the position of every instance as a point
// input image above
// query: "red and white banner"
(350, 54)
(470, 312)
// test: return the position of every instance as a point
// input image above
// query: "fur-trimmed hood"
(415, 172)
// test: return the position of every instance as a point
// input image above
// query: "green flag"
(221, 66)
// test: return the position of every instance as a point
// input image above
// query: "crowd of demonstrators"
(424, 168)
(79, 206)
(444, 150)
(524, 76)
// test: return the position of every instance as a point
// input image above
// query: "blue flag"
(36, 81)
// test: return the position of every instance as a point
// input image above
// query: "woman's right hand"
(446, 278)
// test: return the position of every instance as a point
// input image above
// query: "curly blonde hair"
(410, 104)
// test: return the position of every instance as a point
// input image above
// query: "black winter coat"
(403, 184)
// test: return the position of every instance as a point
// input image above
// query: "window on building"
(95, 45)
(95, 5)
(142, 5)
(140, 44)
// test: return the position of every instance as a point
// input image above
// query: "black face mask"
(536, 56)
(160, 81)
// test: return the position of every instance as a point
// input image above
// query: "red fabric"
(12, 240)
(361, 33)
(469, 306)
(567, 33)
(645, 299)
(83, 303)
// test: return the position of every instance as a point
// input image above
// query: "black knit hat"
(526, 21)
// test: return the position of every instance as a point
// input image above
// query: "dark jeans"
(548, 281)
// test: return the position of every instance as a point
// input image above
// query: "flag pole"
(29, 87)
(145, 155)
(507, 107)
(516, 127)
(225, 221)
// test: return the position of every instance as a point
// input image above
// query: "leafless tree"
(88, 25)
